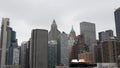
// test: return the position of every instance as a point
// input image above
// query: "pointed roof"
(54, 22)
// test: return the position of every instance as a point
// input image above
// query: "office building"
(62, 49)
(105, 35)
(72, 33)
(54, 32)
(39, 49)
(52, 54)
(89, 31)
(16, 54)
(78, 47)
(71, 40)
(117, 22)
(97, 52)
(88, 57)
(4, 37)
(23, 54)
(110, 51)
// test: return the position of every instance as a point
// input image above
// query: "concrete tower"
(39, 49)
(4, 36)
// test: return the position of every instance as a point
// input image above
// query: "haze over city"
(28, 14)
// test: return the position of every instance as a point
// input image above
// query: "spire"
(54, 22)
(72, 30)
(54, 25)
(72, 33)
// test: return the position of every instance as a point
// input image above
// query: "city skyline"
(27, 15)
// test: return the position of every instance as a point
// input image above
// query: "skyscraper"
(110, 51)
(88, 30)
(8, 43)
(39, 49)
(4, 36)
(62, 49)
(23, 54)
(52, 56)
(72, 33)
(54, 32)
(71, 40)
(105, 35)
(117, 21)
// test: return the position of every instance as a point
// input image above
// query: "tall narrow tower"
(4, 32)
(117, 22)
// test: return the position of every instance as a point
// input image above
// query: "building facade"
(105, 35)
(88, 57)
(4, 36)
(16, 54)
(39, 49)
(110, 51)
(54, 32)
(52, 54)
(89, 31)
(62, 49)
(117, 22)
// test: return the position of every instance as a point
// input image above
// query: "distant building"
(52, 54)
(54, 32)
(16, 54)
(88, 57)
(110, 51)
(8, 43)
(79, 47)
(117, 22)
(89, 31)
(105, 35)
(39, 49)
(98, 52)
(62, 49)
(71, 41)
(72, 33)
(4, 36)
(23, 54)
(12, 43)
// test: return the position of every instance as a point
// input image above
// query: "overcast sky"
(26, 15)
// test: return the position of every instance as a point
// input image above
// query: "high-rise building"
(12, 43)
(4, 36)
(71, 40)
(54, 32)
(52, 54)
(110, 51)
(79, 47)
(8, 43)
(97, 52)
(16, 53)
(88, 30)
(62, 49)
(117, 21)
(72, 33)
(105, 35)
(23, 54)
(39, 49)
